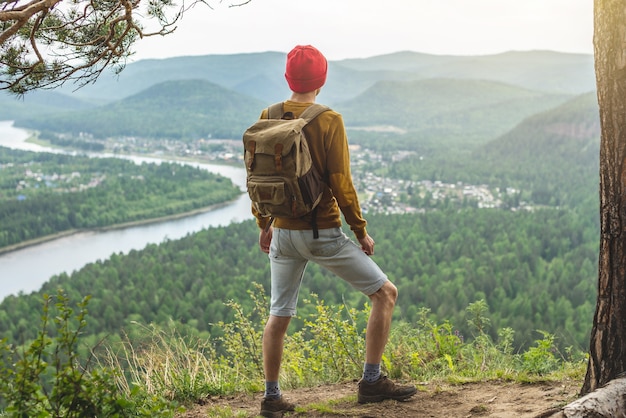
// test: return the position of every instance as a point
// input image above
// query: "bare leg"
(273, 339)
(379, 322)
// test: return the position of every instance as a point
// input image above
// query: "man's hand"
(265, 238)
(367, 244)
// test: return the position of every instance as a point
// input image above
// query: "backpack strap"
(275, 111)
(308, 115)
(313, 111)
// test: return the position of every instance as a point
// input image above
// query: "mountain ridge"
(555, 72)
(458, 109)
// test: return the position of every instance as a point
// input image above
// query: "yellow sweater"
(328, 144)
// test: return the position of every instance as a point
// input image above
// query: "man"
(291, 245)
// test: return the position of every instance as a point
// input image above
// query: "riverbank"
(27, 266)
(150, 221)
(34, 139)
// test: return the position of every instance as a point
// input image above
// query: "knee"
(277, 325)
(392, 291)
(388, 294)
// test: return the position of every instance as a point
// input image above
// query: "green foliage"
(48, 378)
(335, 345)
(477, 316)
(329, 348)
(155, 369)
(47, 48)
(426, 350)
(540, 358)
(241, 337)
(434, 350)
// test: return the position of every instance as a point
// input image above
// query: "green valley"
(478, 177)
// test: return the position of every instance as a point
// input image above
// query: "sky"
(363, 28)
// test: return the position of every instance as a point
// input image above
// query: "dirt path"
(486, 399)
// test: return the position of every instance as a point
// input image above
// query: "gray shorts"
(291, 250)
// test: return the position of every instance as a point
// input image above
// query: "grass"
(426, 352)
(161, 369)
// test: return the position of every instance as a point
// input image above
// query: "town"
(378, 194)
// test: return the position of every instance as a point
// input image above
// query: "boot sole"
(380, 398)
(272, 414)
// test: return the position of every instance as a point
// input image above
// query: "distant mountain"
(446, 111)
(180, 109)
(439, 100)
(554, 153)
(405, 61)
(546, 71)
(39, 102)
(262, 87)
(568, 135)
(228, 71)
(260, 75)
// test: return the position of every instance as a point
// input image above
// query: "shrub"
(46, 378)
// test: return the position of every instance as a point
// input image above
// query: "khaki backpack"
(280, 177)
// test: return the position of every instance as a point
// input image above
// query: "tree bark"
(607, 356)
(607, 402)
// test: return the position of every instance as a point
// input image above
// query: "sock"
(272, 390)
(371, 372)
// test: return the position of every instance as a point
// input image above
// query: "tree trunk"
(607, 356)
(607, 402)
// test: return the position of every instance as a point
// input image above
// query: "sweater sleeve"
(340, 178)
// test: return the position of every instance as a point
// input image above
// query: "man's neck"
(304, 97)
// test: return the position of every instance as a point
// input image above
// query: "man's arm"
(340, 179)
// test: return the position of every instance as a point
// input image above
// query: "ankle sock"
(272, 390)
(371, 372)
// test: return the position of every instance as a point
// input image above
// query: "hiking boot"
(383, 389)
(274, 408)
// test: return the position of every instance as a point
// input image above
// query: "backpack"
(280, 176)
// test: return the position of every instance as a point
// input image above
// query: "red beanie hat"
(306, 69)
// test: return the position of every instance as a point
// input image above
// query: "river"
(27, 269)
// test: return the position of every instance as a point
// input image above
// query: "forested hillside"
(441, 113)
(535, 271)
(179, 110)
